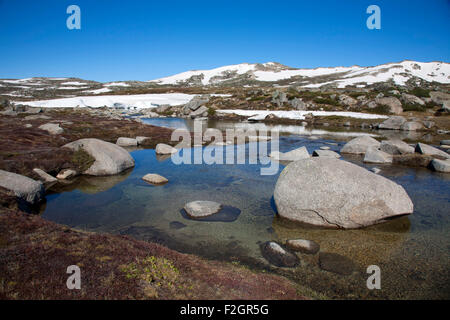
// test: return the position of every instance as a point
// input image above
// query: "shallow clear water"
(412, 251)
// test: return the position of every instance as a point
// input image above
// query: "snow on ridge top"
(399, 72)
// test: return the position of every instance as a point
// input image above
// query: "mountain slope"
(340, 77)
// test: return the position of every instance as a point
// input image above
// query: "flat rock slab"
(201, 209)
(154, 178)
(373, 155)
(225, 214)
(52, 128)
(278, 256)
(336, 263)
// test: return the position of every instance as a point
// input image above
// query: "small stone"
(142, 140)
(278, 256)
(162, 148)
(154, 178)
(324, 148)
(305, 246)
(44, 176)
(52, 128)
(375, 170)
(66, 174)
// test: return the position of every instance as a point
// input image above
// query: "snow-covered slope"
(339, 77)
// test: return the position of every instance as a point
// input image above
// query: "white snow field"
(137, 101)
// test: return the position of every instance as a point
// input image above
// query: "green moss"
(420, 92)
(211, 111)
(153, 270)
(380, 109)
(413, 107)
(326, 101)
(82, 160)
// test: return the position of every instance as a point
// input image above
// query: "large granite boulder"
(360, 145)
(440, 165)
(334, 193)
(24, 188)
(412, 99)
(109, 158)
(374, 155)
(439, 97)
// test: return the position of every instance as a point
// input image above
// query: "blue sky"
(144, 40)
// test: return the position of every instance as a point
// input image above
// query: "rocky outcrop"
(393, 123)
(200, 112)
(195, 103)
(423, 148)
(395, 106)
(440, 165)
(439, 97)
(347, 100)
(334, 193)
(395, 147)
(374, 155)
(109, 158)
(412, 99)
(52, 128)
(297, 104)
(360, 145)
(24, 188)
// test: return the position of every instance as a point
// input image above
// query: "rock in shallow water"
(154, 178)
(201, 209)
(109, 158)
(305, 246)
(440, 165)
(162, 148)
(278, 256)
(334, 193)
(293, 155)
(126, 142)
(423, 148)
(374, 155)
(395, 147)
(336, 263)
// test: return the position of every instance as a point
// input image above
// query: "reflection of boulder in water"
(226, 214)
(92, 185)
(367, 246)
(163, 157)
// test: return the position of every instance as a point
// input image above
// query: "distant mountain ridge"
(339, 77)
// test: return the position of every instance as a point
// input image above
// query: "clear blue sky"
(144, 40)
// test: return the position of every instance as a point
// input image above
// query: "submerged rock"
(24, 188)
(201, 209)
(359, 145)
(305, 246)
(47, 179)
(109, 158)
(336, 263)
(278, 256)
(334, 193)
